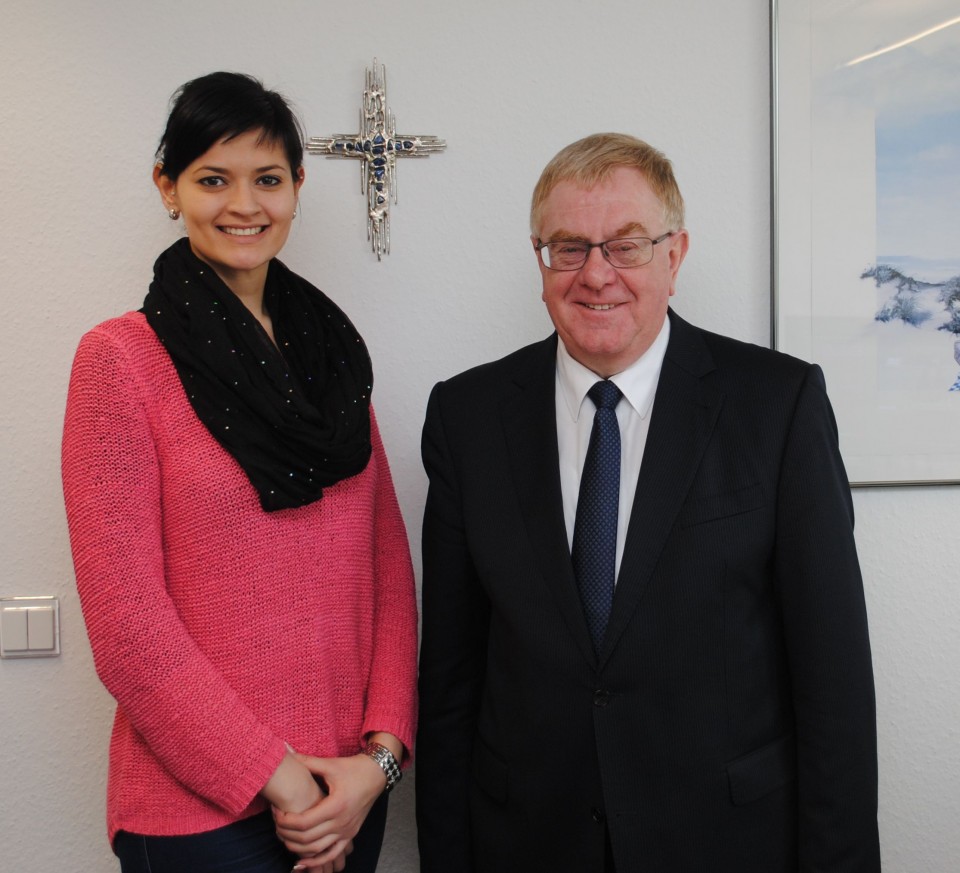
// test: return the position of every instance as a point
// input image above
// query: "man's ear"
(679, 244)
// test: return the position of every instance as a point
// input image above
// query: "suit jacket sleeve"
(825, 631)
(455, 626)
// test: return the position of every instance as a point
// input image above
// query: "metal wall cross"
(378, 146)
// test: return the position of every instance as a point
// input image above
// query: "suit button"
(601, 697)
(597, 815)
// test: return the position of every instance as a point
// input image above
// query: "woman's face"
(237, 201)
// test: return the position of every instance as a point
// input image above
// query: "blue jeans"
(247, 846)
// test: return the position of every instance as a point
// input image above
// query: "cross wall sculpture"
(378, 146)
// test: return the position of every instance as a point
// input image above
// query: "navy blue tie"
(594, 550)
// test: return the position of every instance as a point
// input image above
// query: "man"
(711, 712)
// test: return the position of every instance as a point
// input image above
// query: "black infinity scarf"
(296, 416)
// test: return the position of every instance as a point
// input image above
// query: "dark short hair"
(221, 106)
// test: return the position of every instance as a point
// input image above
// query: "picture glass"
(867, 224)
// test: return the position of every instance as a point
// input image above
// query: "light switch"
(29, 627)
(13, 628)
(40, 635)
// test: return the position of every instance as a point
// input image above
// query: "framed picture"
(866, 236)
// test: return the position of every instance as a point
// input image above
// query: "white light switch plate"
(29, 627)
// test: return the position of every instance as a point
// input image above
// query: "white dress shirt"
(575, 412)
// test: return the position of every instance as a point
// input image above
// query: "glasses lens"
(629, 252)
(564, 255)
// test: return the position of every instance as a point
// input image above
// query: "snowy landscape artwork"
(918, 244)
(866, 232)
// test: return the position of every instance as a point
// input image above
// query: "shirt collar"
(638, 382)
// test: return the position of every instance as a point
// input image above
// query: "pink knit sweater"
(223, 631)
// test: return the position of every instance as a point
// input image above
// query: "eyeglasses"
(572, 254)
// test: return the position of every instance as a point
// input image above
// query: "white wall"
(507, 83)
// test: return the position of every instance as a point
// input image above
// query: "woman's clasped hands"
(322, 835)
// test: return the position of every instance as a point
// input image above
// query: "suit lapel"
(530, 426)
(683, 417)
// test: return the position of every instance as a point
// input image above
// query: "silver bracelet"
(385, 761)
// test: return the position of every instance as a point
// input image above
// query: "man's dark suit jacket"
(728, 723)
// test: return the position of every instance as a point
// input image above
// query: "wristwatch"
(386, 762)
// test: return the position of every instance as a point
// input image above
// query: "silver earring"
(174, 214)
(294, 214)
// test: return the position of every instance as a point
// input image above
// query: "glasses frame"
(540, 244)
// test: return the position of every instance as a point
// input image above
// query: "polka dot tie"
(595, 529)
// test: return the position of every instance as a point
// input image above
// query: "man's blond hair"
(590, 160)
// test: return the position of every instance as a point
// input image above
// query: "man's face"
(608, 317)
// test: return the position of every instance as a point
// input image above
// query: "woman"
(240, 555)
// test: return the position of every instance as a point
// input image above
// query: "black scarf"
(296, 419)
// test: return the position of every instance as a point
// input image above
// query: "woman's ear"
(167, 188)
